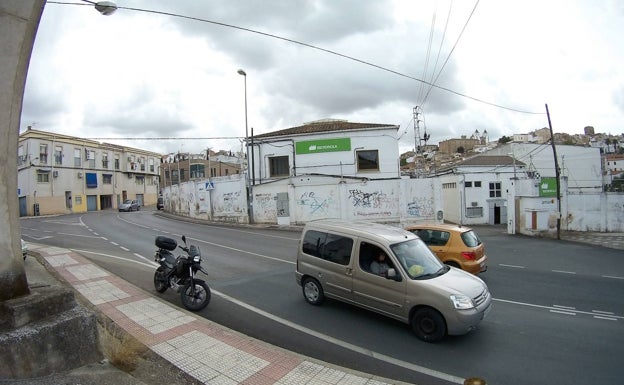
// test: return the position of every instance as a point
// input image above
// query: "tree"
(504, 139)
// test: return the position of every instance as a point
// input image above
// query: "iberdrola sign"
(322, 145)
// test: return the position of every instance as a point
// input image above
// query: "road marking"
(603, 312)
(562, 312)
(563, 272)
(564, 307)
(513, 266)
(150, 264)
(605, 318)
(547, 307)
(242, 251)
(140, 256)
(345, 345)
(124, 248)
(612, 277)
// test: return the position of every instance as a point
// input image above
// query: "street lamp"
(249, 193)
(106, 8)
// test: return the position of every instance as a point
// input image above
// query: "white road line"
(346, 345)
(563, 272)
(546, 307)
(150, 264)
(564, 307)
(513, 266)
(603, 312)
(612, 277)
(124, 248)
(115, 243)
(140, 256)
(562, 312)
(605, 318)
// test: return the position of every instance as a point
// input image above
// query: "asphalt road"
(557, 316)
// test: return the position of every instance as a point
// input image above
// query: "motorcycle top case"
(166, 243)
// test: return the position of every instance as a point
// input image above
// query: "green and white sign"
(322, 145)
(548, 187)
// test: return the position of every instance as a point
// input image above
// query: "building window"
(104, 160)
(477, 183)
(90, 158)
(368, 160)
(77, 158)
(452, 185)
(140, 181)
(151, 165)
(43, 177)
(495, 190)
(107, 179)
(197, 171)
(468, 184)
(58, 155)
(474, 212)
(278, 166)
(43, 154)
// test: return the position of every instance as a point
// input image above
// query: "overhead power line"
(313, 47)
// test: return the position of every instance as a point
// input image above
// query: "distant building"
(326, 147)
(183, 167)
(61, 174)
(462, 145)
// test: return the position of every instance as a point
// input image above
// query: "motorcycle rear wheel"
(200, 299)
(160, 282)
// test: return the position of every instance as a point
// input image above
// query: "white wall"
(581, 165)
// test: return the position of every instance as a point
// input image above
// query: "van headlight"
(461, 301)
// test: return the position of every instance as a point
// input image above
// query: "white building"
(582, 166)
(326, 147)
(475, 190)
(60, 174)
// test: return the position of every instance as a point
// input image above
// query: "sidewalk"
(207, 352)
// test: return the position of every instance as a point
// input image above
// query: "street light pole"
(248, 176)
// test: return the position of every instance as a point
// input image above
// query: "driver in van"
(380, 265)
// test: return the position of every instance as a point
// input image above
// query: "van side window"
(331, 247)
(369, 253)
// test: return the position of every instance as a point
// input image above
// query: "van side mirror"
(392, 274)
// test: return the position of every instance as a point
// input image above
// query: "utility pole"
(419, 161)
(552, 142)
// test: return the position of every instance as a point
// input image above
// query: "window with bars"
(495, 190)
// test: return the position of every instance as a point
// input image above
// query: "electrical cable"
(266, 34)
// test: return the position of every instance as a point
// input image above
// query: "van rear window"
(327, 246)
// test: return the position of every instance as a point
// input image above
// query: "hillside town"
(325, 167)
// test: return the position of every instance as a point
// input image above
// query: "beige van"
(390, 271)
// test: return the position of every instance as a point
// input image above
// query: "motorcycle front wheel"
(160, 281)
(198, 300)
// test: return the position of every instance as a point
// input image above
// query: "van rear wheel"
(428, 325)
(313, 291)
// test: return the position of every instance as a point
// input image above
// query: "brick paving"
(209, 352)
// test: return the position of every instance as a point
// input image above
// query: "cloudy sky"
(153, 75)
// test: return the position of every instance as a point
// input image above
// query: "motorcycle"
(178, 273)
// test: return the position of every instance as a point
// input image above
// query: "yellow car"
(457, 246)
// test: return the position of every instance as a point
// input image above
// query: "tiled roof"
(326, 126)
(491, 160)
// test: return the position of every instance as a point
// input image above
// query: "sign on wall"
(322, 145)
(548, 187)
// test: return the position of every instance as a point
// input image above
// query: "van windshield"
(417, 259)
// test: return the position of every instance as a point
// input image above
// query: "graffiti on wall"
(316, 204)
(421, 207)
(372, 203)
(228, 203)
(264, 206)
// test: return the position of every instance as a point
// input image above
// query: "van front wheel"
(428, 325)
(313, 291)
